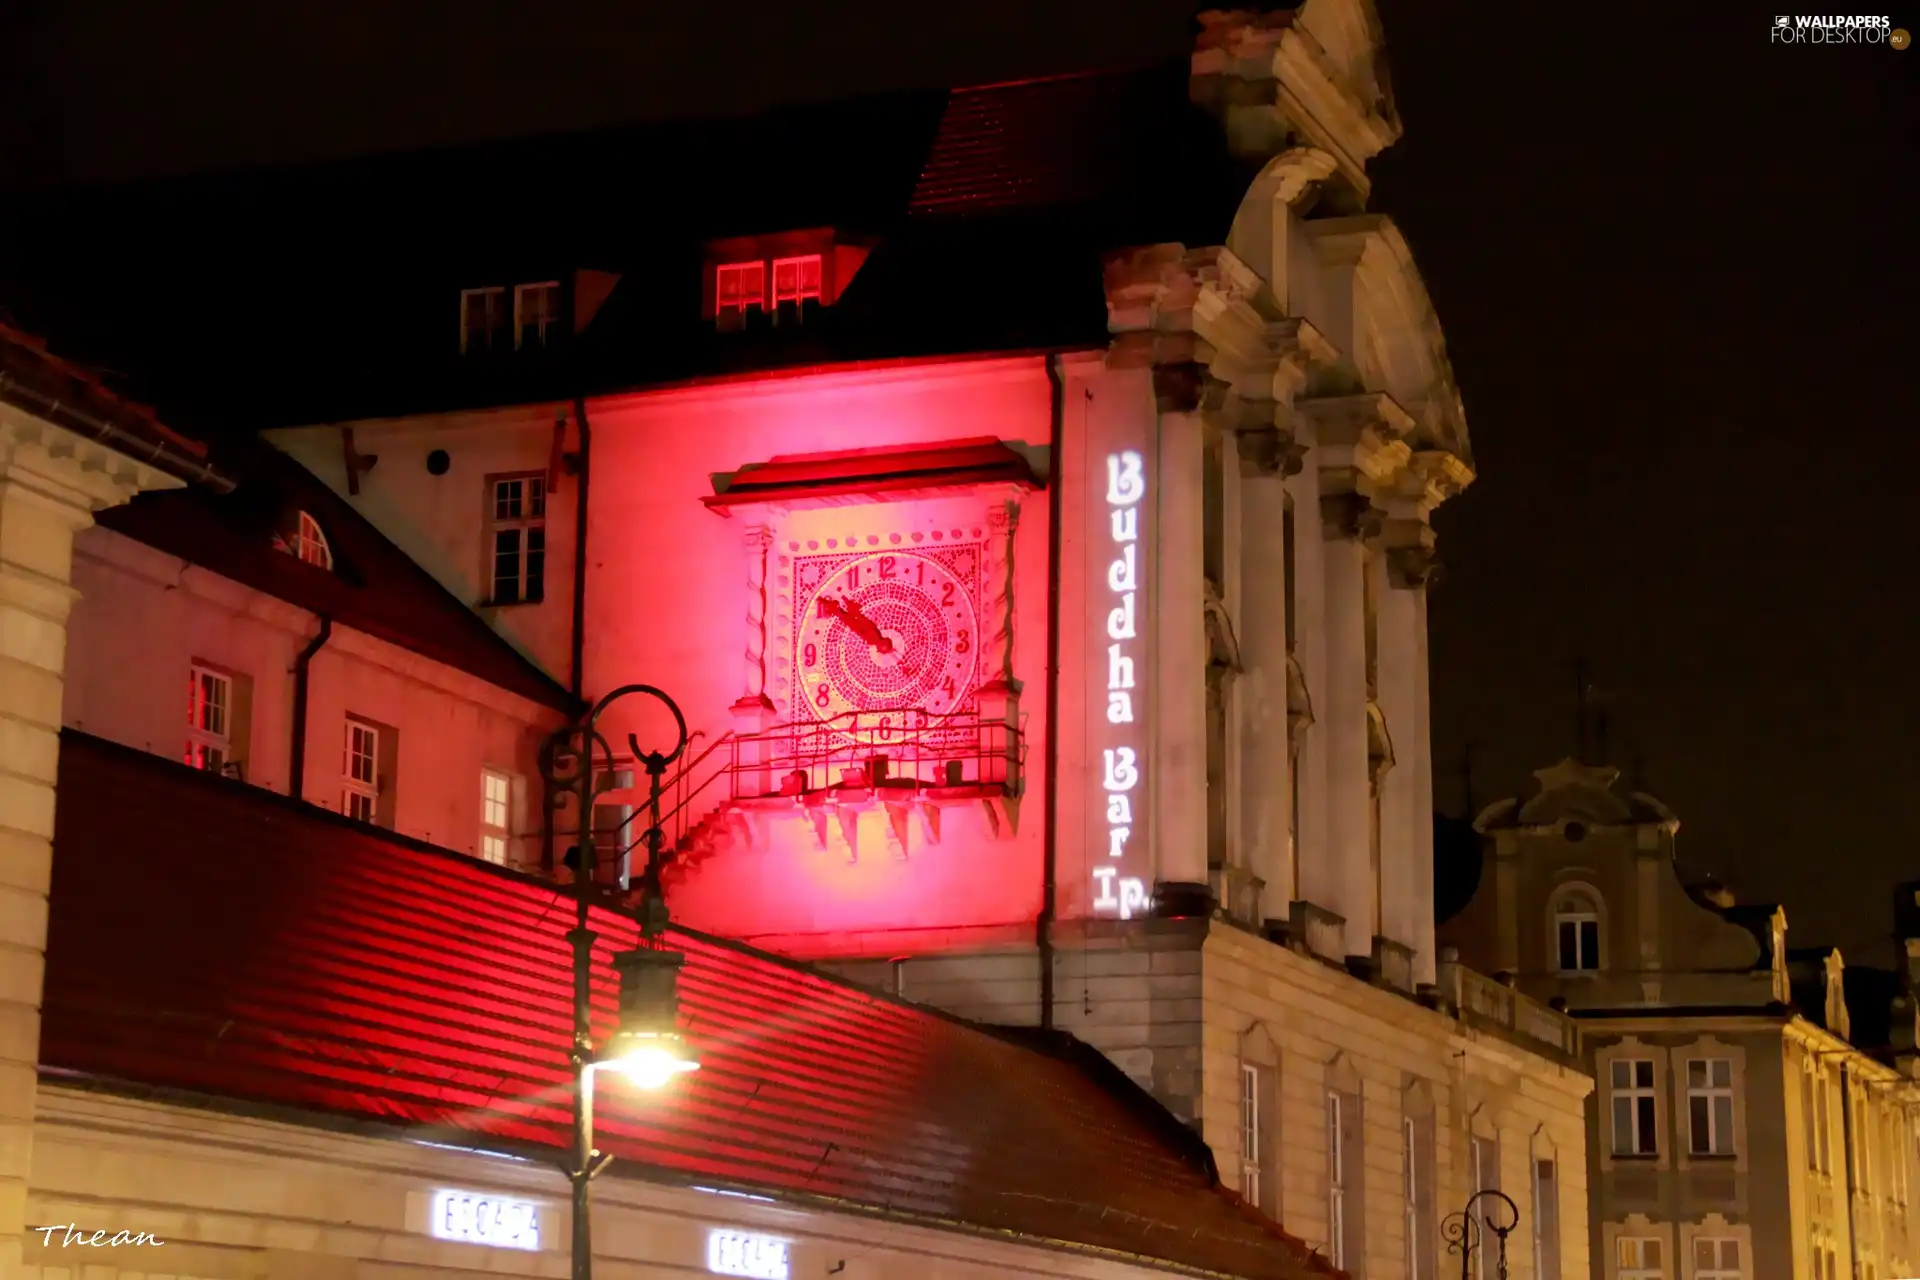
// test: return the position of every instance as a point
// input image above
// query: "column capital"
(1350, 516)
(1359, 441)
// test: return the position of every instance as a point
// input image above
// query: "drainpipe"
(302, 669)
(577, 682)
(1846, 1146)
(1049, 857)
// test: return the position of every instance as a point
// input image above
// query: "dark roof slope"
(321, 294)
(374, 586)
(267, 953)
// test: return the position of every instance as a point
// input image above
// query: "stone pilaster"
(1180, 655)
(753, 712)
(50, 484)
(1348, 521)
(1266, 748)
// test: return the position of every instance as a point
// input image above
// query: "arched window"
(306, 542)
(1576, 932)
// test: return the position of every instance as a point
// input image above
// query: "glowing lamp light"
(648, 1049)
(647, 1060)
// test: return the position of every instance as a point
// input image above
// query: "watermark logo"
(1831, 28)
(72, 1235)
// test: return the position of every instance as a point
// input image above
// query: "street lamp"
(647, 1048)
(1465, 1231)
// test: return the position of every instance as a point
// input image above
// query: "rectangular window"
(1579, 941)
(1823, 1120)
(536, 314)
(738, 286)
(795, 279)
(1716, 1258)
(1810, 1106)
(1862, 1150)
(496, 807)
(1250, 1133)
(483, 320)
(1546, 1220)
(210, 711)
(1419, 1132)
(1637, 1258)
(1336, 1182)
(1485, 1156)
(1710, 1106)
(1633, 1107)
(360, 786)
(518, 520)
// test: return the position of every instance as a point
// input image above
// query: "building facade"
(1740, 1125)
(1055, 650)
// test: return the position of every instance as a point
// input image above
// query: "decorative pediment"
(850, 476)
(1573, 789)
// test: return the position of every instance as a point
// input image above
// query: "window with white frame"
(1637, 1258)
(1576, 931)
(1716, 1258)
(1337, 1179)
(1710, 1106)
(795, 279)
(1484, 1157)
(1418, 1193)
(1632, 1098)
(536, 314)
(738, 286)
(483, 320)
(1546, 1218)
(518, 522)
(1250, 1154)
(360, 780)
(304, 540)
(210, 712)
(496, 810)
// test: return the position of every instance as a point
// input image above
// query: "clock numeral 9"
(810, 656)
(962, 641)
(820, 698)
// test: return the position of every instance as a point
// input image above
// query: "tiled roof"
(374, 586)
(255, 950)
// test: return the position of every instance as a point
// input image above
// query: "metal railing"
(852, 756)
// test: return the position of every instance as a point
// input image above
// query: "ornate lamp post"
(1465, 1231)
(647, 1048)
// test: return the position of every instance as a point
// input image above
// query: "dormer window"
(738, 286)
(536, 315)
(796, 279)
(483, 320)
(305, 542)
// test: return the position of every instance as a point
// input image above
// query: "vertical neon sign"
(1121, 755)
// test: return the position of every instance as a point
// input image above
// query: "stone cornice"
(1358, 441)
(70, 469)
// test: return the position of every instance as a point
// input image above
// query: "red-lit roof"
(248, 948)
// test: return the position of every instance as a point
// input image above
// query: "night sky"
(1676, 266)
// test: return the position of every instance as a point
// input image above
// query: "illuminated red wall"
(668, 604)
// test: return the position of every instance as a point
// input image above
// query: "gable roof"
(374, 586)
(990, 208)
(263, 952)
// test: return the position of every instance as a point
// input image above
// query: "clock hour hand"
(857, 622)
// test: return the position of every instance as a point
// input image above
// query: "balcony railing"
(1478, 999)
(852, 760)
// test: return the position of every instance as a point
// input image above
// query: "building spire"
(1591, 724)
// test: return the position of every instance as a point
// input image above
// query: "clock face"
(886, 640)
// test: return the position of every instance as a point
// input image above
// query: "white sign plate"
(476, 1217)
(741, 1253)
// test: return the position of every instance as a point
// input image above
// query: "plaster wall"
(243, 1199)
(441, 521)
(144, 618)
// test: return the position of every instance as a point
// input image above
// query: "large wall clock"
(886, 642)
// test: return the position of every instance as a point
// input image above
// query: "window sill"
(510, 604)
(1634, 1157)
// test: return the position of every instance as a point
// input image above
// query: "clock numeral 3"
(962, 640)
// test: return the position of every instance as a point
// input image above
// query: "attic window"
(739, 285)
(306, 542)
(796, 279)
(536, 314)
(483, 320)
